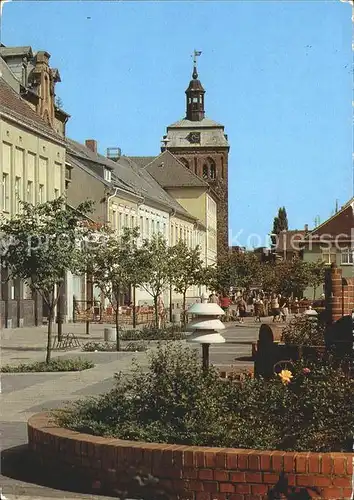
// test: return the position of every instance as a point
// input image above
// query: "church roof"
(206, 122)
(169, 172)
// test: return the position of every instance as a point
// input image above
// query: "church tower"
(202, 146)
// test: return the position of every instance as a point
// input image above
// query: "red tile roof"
(12, 104)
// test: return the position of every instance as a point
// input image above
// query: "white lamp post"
(205, 327)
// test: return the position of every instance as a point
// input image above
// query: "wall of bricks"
(188, 472)
(339, 294)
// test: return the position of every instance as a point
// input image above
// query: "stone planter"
(183, 472)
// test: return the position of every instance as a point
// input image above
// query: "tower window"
(212, 171)
(205, 171)
(195, 99)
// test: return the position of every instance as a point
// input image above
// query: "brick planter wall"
(187, 472)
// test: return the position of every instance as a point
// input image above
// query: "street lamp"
(205, 327)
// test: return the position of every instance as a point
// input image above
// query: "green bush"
(175, 402)
(172, 332)
(304, 331)
(55, 365)
(136, 346)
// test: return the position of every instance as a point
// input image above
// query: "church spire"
(195, 94)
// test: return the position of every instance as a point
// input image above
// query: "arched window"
(205, 171)
(185, 162)
(212, 169)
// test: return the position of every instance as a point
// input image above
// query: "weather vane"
(196, 53)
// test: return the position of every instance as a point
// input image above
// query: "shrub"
(304, 331)
(55, 365)
(175, 402)
(111, 347)
(172, 332)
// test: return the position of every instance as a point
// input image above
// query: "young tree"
(110, 260)
(188, 267)
(316, 275)
(280, 223)
(40, 245)
(155, 264)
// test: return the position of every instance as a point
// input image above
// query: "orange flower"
(285, 376)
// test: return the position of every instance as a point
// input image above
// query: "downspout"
(108, 200)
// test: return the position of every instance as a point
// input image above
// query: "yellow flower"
(285, 376)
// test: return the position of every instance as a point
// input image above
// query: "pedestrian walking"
(242, 306)
(275, 308)
(258, 309)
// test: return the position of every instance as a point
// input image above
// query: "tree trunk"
(49, 335)
(184, 320)
(171, 310)
(134, 307)
(156, 313)
(59, 315)
(117, 320)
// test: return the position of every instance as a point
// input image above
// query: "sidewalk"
(24, 345)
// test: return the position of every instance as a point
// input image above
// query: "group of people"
(225, 302)
(259, 305)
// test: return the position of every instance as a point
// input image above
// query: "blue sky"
(278, 75)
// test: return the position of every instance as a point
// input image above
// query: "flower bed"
(185, 472)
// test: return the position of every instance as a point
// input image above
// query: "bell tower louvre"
(202, 146)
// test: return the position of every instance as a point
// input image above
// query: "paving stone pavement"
(26, 394)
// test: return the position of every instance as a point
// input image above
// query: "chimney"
(91, 144)
(306, 228)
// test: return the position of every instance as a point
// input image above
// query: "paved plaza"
(26, 394)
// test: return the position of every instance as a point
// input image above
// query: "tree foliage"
(240, 270)
(280, 223)
(187, 270)
(110, 260)
(156, 268)
(40, 245)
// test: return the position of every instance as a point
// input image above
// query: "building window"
(30, 192)
(113, 219)
(5, 192)
(195, 99)
(157, 226)
(56, 193)
(41, 193)
(126, 220)
(120, 221)
(212, 171)
(205, 171)
(328, 256)
(153, 227)
(141, 227)
(107, 175)
(147, 234)
(17, 194)
(347, 256)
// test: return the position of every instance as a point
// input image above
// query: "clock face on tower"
(194, 137)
